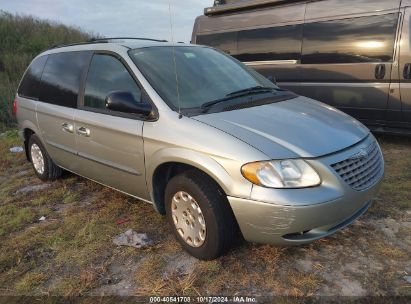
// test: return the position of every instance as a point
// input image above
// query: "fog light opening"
(295, 234)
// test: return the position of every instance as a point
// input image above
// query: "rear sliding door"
(273, 51)
(267, 39)
(347, 63)
(58, 95)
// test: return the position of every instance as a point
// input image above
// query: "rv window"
(364, 39)
(225, 42)
(276, 43)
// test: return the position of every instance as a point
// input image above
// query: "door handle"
(380, 71)
(67, 127)
(407, 71)
(83, 131)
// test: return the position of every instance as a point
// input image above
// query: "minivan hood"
(299, 127)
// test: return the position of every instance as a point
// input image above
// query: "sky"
(117, 18)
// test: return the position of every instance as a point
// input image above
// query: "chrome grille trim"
(363, 169)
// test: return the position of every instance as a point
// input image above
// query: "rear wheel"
(199, 215)
(43, 165)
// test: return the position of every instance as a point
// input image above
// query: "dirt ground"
(71, 252)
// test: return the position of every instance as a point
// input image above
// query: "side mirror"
(125, 102)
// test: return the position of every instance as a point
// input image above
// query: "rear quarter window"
(30, 84)
(62, 76)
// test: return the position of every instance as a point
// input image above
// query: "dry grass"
(171, 285)
(388, 250)
(395, 194)
(30, 281)
(303, 284)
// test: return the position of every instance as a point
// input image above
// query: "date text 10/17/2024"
(200, 299)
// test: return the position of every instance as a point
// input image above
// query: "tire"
(49, 171)
(220, 225)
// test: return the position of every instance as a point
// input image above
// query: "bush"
(21, 39)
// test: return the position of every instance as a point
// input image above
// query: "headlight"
(290, 173)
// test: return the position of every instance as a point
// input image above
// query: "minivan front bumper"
(294, 225)
(298, 216)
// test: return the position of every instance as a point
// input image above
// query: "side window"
(31, 81)
(363, 39)
(275, 43)
(61, 78)
(226, 42)
(107, 74)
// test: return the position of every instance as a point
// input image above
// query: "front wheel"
(199, 214)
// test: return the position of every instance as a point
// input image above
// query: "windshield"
(203, 74)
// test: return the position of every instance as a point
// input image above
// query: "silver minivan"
(213, 145)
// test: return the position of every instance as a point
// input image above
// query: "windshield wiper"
(251, 90)
(239, 93)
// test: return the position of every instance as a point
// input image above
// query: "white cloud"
(134, 18)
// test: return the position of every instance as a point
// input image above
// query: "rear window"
(30, 84)
(62, 76)
(363, 39)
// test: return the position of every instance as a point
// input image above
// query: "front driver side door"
(110, 144)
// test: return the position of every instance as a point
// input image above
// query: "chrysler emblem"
(360, 155)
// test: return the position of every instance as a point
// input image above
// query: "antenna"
(174, 60)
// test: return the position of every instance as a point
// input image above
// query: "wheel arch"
(168, 163)
(28, 128)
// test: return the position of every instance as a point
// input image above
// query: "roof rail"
(222, 7)
(56, 46)
(103, 40)
(124, 38)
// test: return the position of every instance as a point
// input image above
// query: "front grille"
(362, 170)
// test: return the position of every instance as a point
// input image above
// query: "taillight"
(15, 107)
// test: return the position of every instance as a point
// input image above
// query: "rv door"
(404, 66)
